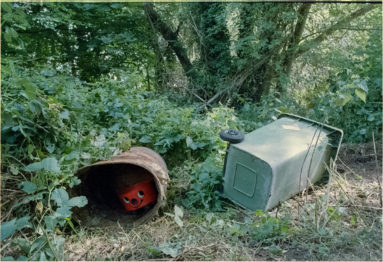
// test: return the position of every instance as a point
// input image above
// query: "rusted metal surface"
(142, 157)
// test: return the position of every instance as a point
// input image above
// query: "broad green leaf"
(28, 187)
(145, 139)
(370, 118)
(170, 249)
(38, 244)
(8, 229)
(30, 148)
(346, 98)
(50, 147)
(361, 94)
(74, 182)
(72, 155)
(58, 244)
(363, 85)
(63, 212)
(60, 196)
(35, 106)
(79, 201)
(8, 259)
(64, 114)
(33, 167)
(50, 223)
(29, 89)
(23, 222)
(14, 169)
(23, 243)
(48, 72)
(50, 164)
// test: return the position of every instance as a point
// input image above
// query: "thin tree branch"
(341, 24)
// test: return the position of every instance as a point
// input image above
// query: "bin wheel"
(232, 136)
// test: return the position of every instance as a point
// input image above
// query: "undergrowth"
(53, 124)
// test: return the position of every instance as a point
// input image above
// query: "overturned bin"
(276, 161)
(129, 188)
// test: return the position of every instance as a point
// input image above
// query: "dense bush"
(54, 124)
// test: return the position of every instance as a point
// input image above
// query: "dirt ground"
(354, 189)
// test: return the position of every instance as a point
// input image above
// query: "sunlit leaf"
(361, 94)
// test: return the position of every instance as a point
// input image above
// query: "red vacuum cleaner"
(138, 195)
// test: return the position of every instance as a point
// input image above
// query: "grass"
(338, 221)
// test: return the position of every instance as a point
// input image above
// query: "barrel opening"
(119, 191)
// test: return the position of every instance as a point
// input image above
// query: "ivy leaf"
(361, 94)
(28, 187)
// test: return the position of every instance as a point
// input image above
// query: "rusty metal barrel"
(102, 181)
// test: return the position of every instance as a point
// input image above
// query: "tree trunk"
(171, 37)
(290, 52)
